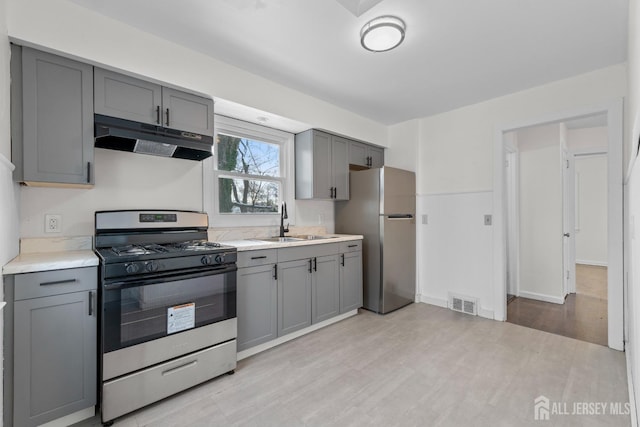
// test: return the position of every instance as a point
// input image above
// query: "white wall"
(540, 196)
(588, 139)
(403, 145)
(455, 157)
(591, 209)
(632, 193)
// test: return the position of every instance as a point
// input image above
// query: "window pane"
(248, 156)
(248, 196)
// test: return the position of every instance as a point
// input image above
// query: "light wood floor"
(419, 366)
(584, 315)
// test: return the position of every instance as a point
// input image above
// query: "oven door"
(135, 311)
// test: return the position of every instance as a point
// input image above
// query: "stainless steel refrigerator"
(382, 207)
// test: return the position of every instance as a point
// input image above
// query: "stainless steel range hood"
(124, 135)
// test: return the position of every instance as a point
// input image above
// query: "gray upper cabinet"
(325, 285)
(52, 119)
(124, 97)
(365, 155)
(50, 345)
(117, 95)
(257, 305)
(322, 167)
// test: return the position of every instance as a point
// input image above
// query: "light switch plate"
(425, 219)
(487, 219)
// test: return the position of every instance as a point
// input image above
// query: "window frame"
(234, 127)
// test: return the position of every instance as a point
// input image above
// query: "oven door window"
(134, 313)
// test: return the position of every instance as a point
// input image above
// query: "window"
(248, 177)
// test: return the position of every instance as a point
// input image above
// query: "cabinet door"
(340, 167)
(257, 304)
(351, 281)
(325, 294)
(294, 296)
(357, 153)
(322, 163)
(57, 96)
(187, 112)
(377, 157)
(117, 95)
(55, 357)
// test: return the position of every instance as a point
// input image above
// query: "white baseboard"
(594, 263)
(441, 302)
(541, 297)
(281, 340)
(632, 395)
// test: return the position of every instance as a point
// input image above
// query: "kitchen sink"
(280, 239)
(312, 237)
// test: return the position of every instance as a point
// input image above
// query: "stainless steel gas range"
(168, 306)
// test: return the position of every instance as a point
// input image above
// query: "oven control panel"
(158, 217)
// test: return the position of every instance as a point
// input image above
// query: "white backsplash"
(226, 234)
(55, 244)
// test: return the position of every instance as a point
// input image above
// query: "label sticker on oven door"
(181, 317)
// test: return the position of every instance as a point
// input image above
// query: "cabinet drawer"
(124, 395)
(351, 246)
(309, 251)
(255, 258)
(55, 282)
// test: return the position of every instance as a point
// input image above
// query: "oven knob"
(131, 268)
(206, 260)
(151, 266)
(219, 259)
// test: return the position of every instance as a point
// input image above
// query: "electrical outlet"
(425, 219)
(52, 223)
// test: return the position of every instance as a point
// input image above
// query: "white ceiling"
(456, 52)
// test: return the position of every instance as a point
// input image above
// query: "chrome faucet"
(283, 216)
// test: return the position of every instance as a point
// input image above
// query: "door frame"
(614, 111)
(512, 218)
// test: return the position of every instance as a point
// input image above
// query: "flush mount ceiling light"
(383, 33)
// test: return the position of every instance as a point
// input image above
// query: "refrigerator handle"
(400, 217)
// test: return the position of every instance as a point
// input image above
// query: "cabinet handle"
(310, 266)
(91, 302)
(275, 271)
(167, 117)
(158, 114)
(342, 260)
(315, 264)
(88, 172)
(58, 282)
(352, 246)
(259, 257)
(179, 368)
(331, 193)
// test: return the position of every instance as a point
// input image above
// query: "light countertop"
(45, 261)
(253, 244)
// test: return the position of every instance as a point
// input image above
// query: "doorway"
(612, 306)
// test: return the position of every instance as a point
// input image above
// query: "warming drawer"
(128, 393)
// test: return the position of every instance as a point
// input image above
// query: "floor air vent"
(463, 304)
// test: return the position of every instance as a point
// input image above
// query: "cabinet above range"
(323, 161)
(129, 98)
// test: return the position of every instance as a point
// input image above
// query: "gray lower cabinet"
(257, 305)
(325, 288)
(51, 119)
(294, 295)
(350, 281)
(129, 98)
(50, 345)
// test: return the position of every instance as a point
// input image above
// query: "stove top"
(144, 251)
